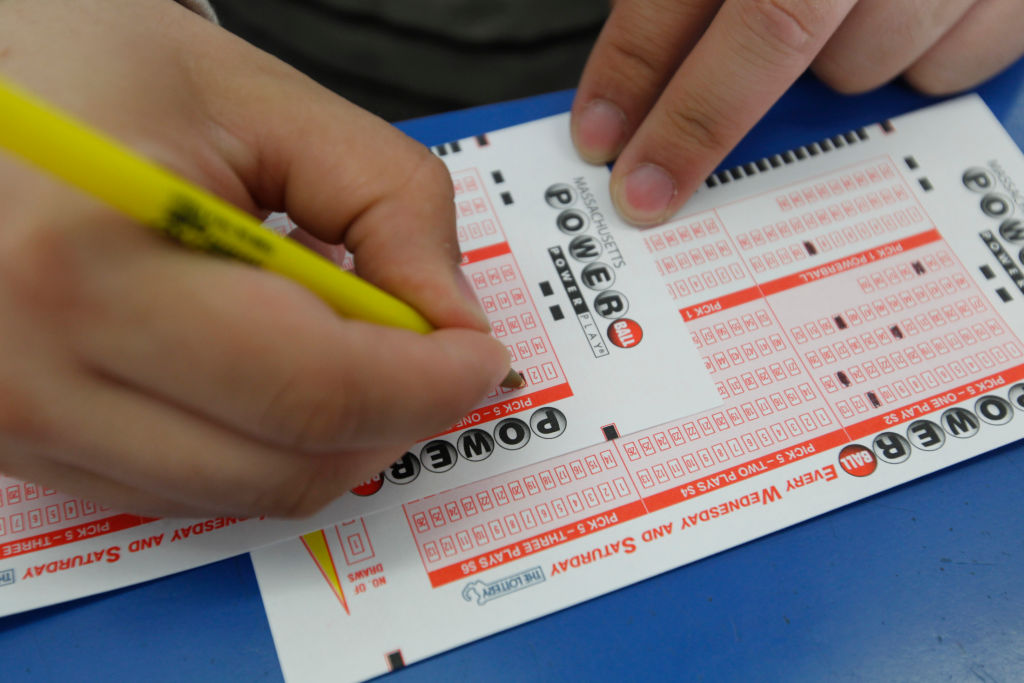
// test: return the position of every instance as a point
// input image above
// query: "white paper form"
(567, 289)
(858, 304)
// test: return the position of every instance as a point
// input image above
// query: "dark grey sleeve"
(405, 58)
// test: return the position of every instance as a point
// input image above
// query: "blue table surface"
(923, 582)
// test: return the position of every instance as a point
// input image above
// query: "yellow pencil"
(152, 195)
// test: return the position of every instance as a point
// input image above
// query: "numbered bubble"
(978, 179)
(560, 196)
(926, 435)
(995, 205)
(994, 410)
(572, 221)
(512, 433)
(404, 470)
(1012, 230)
(438, 456)
(585, 248)
(475, 445)
(611, 304)
(548, 423)
(598, 276)
(891, 447)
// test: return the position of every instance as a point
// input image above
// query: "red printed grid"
(498, 283)
(475, 220)
(28, 510)
(895, 330)
(533, 507)
(770, 403)
(915, 325)
(515, 321)
(835, 213)
(696, 258)
(699, 259)
(486, 524)
(832, 365)
(71, 534)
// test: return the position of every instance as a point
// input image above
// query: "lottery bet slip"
(857, 304)
(567, 290)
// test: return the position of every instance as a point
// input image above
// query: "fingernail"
(466, 289)
(600, 131)
(645, 194)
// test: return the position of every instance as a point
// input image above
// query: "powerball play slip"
(857, 303)
(569, 291)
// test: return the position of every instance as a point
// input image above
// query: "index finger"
(751, 53)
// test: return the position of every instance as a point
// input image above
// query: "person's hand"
(672, 85)
(163, 381)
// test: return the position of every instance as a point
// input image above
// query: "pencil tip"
(513, 380)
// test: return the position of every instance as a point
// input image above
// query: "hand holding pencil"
(162, 381)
